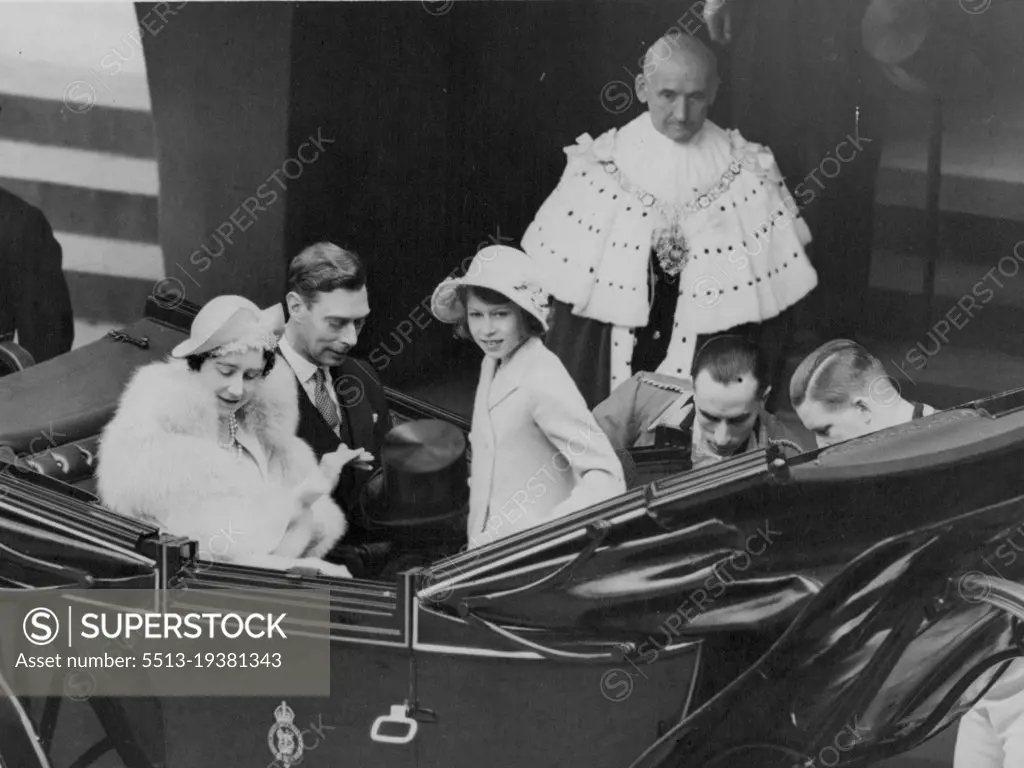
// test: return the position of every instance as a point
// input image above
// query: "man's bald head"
(683, 51)
(678, 85)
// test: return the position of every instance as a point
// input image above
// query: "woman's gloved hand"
(323, 481)
(332, 463)
(333, 570)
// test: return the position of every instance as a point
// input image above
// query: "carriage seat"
(73, 463)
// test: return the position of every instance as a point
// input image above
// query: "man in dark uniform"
(341, 400)
(34, 298)
(719, 412)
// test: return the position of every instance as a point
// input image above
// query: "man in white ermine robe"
(664, 231)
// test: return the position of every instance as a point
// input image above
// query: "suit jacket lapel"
(312, 427)
(481, 405)
(482, 434)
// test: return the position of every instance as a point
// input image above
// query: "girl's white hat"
(228, 324)
(506, 270)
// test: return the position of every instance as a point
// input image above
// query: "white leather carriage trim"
(457, 650)
(569, 536)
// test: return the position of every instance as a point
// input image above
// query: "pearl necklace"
(232, 437)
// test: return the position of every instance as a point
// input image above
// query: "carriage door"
(370, 679)
(485, 699)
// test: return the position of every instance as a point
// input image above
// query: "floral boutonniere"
(536, 296)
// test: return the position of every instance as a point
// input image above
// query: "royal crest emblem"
(284, 739)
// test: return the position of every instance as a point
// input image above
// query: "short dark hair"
(834, 374)
(195, 362)
(730, 357)
(490, 296)
(325, 267)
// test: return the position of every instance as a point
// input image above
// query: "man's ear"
(294, 303)
(863, 406)
(765, 394)
(641, 89)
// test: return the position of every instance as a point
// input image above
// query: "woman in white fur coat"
(204, 445)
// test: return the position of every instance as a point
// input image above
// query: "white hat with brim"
(506, 270)
(227, 321)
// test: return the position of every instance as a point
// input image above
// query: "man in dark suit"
(34, 298)
(341, 400)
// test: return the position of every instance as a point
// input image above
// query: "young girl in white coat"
(538, 453)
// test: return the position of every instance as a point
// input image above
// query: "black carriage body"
(689, 622)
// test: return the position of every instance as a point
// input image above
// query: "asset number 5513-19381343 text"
(212, 660)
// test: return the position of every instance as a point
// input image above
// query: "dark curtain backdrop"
(442, 128)
(449, 129)
(800, 72)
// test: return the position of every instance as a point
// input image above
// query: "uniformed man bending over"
(720, 414)
(841, 391)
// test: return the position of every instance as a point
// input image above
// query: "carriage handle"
(398, 714)
(1007, 596)
(621, 651)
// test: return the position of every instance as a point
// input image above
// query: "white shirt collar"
(674, 173)
(304, 369)
(659, 142)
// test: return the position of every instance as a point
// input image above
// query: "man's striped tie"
(324, 404)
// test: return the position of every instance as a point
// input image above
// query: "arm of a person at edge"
(43, 311)
(617, 417)
(724, 19)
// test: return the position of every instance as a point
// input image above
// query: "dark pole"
(932, 188)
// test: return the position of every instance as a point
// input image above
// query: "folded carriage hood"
(73, 395)
(892, 650)
(51, 535)
(739, 546)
